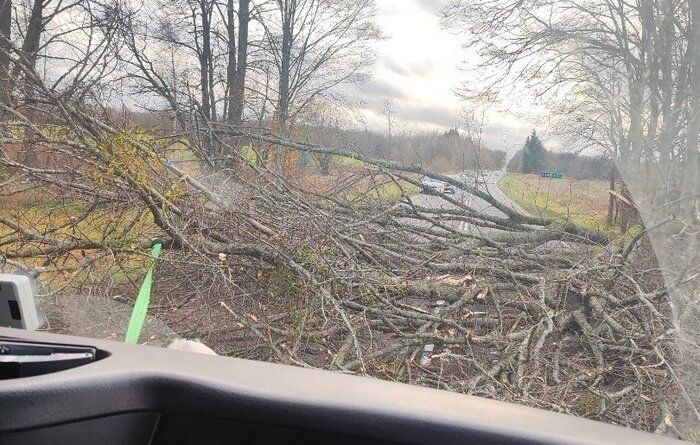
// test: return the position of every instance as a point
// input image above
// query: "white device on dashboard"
(18, 308)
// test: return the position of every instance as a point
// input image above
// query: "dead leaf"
(467, 281)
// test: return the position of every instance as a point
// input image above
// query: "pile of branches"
(493, 303)
(573, 328)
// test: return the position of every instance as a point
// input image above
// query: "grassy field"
(47, 212)
(41, 215)
(334, 182)
(387, 191)
(339, 161)
(582, 201)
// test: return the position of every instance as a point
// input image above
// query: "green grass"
(348, 162)
(583, 202)
(249, 154)
(387, 192)
(392, 192)
(102, 225)
(341, 161)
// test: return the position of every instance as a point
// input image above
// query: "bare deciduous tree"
(5, 47)
(315, 46)
(238, 64)
(622, 78)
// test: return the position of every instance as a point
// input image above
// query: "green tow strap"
(138, 314)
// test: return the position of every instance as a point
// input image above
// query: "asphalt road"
(489, 178)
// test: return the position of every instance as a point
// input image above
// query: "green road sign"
(556, 175)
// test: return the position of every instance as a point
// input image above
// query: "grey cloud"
(431, 5)
(394, 66)
(373, 93)
(393, 8)
(423, 68)
(384, 88)
(419, 68)
(502, 136)
(428, 114)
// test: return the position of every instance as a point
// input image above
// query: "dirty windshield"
(492, 197)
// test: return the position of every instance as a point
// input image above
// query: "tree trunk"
(5, 35)
(286, 56)
(691, 183)
(611, 198)
(206, 72)
(204, 58)
(32, 38)
(210, 64)
(231, 62)
(239, 85)
(669, 110)
(30, 50)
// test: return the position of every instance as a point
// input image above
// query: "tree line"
(444, 151)
(534, 158)
(203, 62)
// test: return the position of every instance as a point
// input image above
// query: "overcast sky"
(418, 69)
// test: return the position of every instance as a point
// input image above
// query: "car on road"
(431, 184)
(467, 179)
(436, 185)
(449, 188)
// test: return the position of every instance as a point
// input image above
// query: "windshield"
(498, 198)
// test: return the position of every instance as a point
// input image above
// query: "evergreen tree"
(533, 154)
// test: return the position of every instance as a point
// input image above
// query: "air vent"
(25, 359)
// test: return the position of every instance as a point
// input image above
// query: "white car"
(428, 183)
(468, 179)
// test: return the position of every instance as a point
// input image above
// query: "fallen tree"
(266, 266)
(261, 267)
